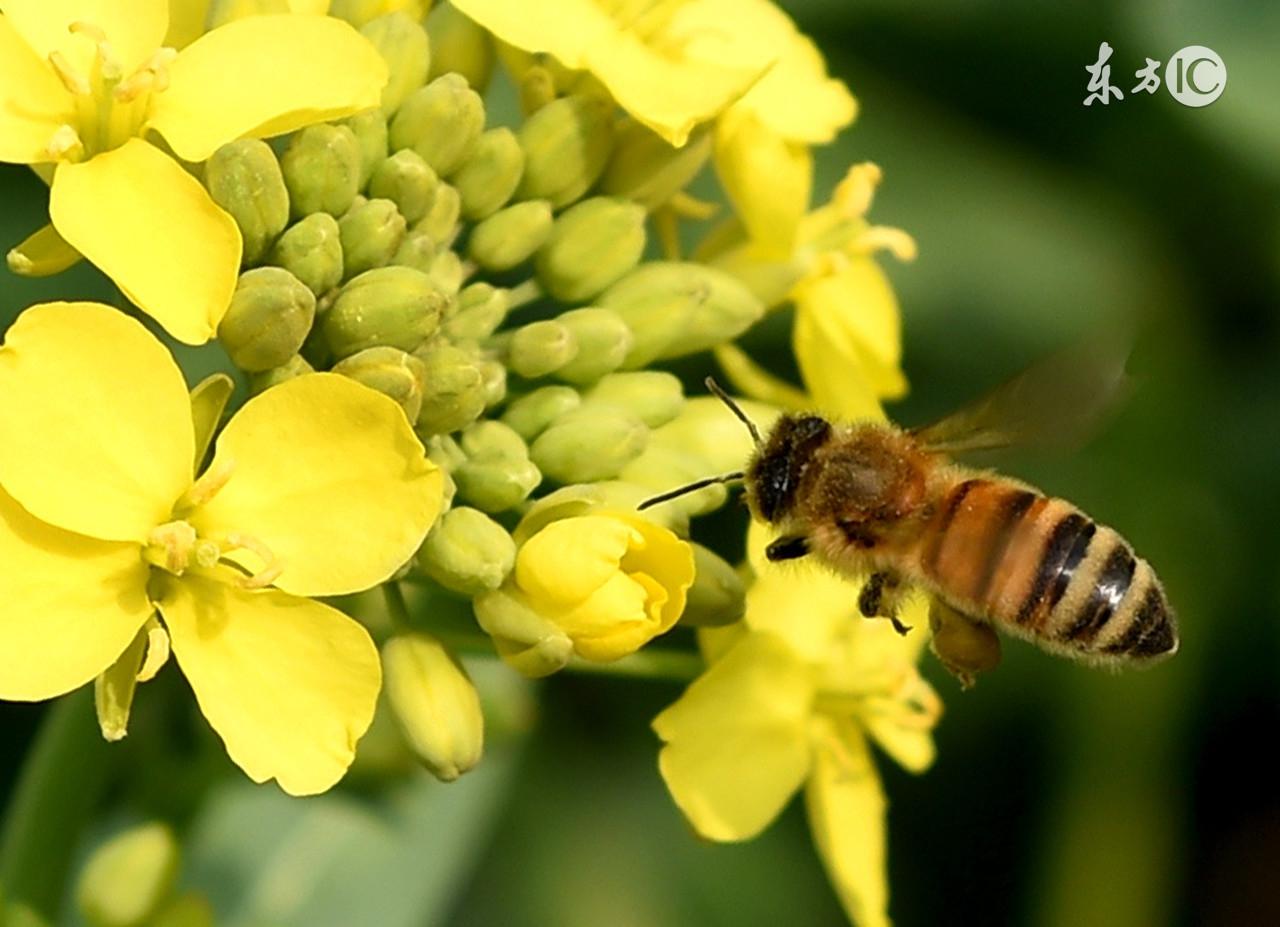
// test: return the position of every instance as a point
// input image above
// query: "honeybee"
(873, 500)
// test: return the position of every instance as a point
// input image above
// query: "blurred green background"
(1062, 796)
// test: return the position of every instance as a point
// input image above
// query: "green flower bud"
(537, 87)
(371, 232)
(403, 45)
(453, 394)
(467, 552)
(539, 348)
(441, 121)
(127, 878)
(189, 910)
(370, 129)
(444, 452)
(497, 473)
(295, 366)
(603, 341)
(311, 250)
(396, 306)
(490, 176)
(647, 170)
(566, 146)
(510, 236)
(244, 178)
(391, 372)
(492, 440)
(529, 415)
(460, 46)
(406, 180)
(592, 244)
(717, 596)
(652, 396)
(435, 704)
(270, 314)
(481, 309)
(676, 308)
(494, 374)
(525, 641)
(321, 169)
(417, 251)
(446, 270)
(589, 444)
(441, 220)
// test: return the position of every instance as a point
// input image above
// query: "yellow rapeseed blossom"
(82, 85)
(791, 700)
(102, 524)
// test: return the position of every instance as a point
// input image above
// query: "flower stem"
(523, 293)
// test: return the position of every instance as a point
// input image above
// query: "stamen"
(75, 82)
(134, 86)
(158, 65)
(272, 565)
(690, 207)
(88, 30)
(207, 486)
(65, 144)
(169, 546)
(895, 241)
(854, 194)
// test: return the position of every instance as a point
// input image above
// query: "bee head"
(773, 478)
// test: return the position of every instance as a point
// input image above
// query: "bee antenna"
(735, 409)
(691, 487)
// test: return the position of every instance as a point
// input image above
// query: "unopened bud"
(647, 170)
(453, 391)
(189, 910)
(441, 220)
(295, 366)
(494, 373)
(395, 306)
(566, 145)
(490, 176)
(447, 271)
(467, 552)
(321, 169)
(270, 314)
(391, 372)
(540, 348)
(589, 444)
(459, 45)
(592, 244)
(529, 415)
(244, 178)
(127, 878)
(311, 250)
(497, 474)
(417, 251)
(489, 440)
(603, 341)
(435, 704)
(371, 232)
(441, 121)
(676, 308)
(510, 236)
(525, 640)
(717, 596)
(403, 45)
(370, 130)
(406, 180)
(481, 309)
(653, 396)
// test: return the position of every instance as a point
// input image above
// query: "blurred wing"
(1057, 402)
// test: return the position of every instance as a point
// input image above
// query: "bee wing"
(1056, 402)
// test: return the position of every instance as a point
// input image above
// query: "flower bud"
(497, 473)
(321, 169)
(589, 444)
(311, 250)
(467, 552)
(441, 220)
(441, 121)
(676, 308)
(592, 244)
(446, 270)
(481, 309)
(459, 45)
(453, 393)
(537, 85)
(566, 145)
(490, 176)
(494, 373)
(395, 306)
(391, 372)
(406, 180)
(417, 251)
(539, 348)
(269, 317)
(403, 45)
(295, 366)
(510, 236)
(647, 170)
(653, 396)
(127, 878)
(529, 415)
(244, 178)
(435, 704)
(717, 596)
(189, 910)
(370, 130)
(527, 642)
(603, 341)
(492, 439)
(371, 232)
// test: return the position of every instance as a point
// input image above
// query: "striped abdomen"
(1042, 569)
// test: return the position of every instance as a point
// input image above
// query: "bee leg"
(789, 547)
(964, 645)
(879, 598)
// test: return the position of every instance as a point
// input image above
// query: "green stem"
(523, 293)
(397, 608)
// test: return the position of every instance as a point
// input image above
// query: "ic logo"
(1195, 76)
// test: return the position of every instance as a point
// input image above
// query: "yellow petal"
(263, 76)
(43, 253)
(797, 100)
(152, 228)
(766, 177)
(33, 102)
(750, 379)
(569, 559)
(95, 426)
(737, 743)
(288, 684)
(133, 28)
(328, 475)
(846, 807)
(186, 22)
(71, 605)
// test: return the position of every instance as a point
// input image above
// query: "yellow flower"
(317, 487)
(83, 83)
(600, 585)
(790, 700)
